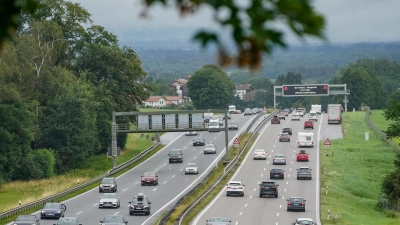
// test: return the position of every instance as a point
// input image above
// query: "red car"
(302, 156)
(149, 178)
(308, 124)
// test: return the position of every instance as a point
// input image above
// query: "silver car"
(68, 221)
(109, 200)
(191, 168)
(210, 148)
(218, 221)
(304, 221)
(279, 159)
(304, 172)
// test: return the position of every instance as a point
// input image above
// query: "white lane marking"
(290, 169)
(95, 204)
(79, 213)
(317, 184)
(289, 175)
(156, 170)
(195, 157)
(181, 170)
(280, 206)
(270, 155)
(265, 168)
(274, 146)
(137, 182)
(165, 164)
(262, 175)
(272, 151)
(287, 182)
(277, 214)
(215, 138)
(116, 213)
(236, 223)
(251, 196)
(240, 213)
(255, 189)
(185, 147)
(174, 175)
(267, 162)
(245, 205)
(125, 189)
(154, 189)
(165, 182)
(276, 223)
(283, 197)
(285, 190)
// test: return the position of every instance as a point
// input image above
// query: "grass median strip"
(354, 174)
(214, 177)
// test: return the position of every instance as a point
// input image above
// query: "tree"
(210, 88)
(391, 182)
(252, 28)
(392, 113)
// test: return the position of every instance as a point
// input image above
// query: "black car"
(108, 184)
(139, 204)
(175, 155)
(268, 188)
(68, 221)
(296, 203)
(287, 130)
(26, 220)
(53, 210)
(233, 126)
(276, 173)
(114, 220)
(199, 141)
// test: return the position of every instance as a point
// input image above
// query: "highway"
(172, 180)
(251, 209)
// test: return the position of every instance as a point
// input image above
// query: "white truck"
(213, 124)
(334, 113)
(232, 109)
(208, 117)
(316, 108)
(305, 139)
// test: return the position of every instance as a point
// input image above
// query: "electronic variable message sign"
(305, 90)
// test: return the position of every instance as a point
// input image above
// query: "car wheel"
(227, 194)
(304, 210)
(310, 178)
(288, 209)
(298, 178)
(283, 177)
(242, 194)
(271, 178)
(276, 196)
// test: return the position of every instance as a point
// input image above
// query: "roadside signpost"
(327, 143)
(236, 143)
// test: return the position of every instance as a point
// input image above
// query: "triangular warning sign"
(327, 142)
(236, 141)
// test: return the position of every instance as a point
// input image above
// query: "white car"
(110, 200)
(304, 221)
(260, 154)
(235, 188)
(296, 117)
(191, 168)
(191, 133)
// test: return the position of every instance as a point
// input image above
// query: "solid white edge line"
(233, 177)
(318, 185)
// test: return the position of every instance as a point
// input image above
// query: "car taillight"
(313, 142)
(263, 154)
(281, 172)
(288, 203)
(274, 187)
(302, 203)
(240, 188)
(229, 186)
(262, 186)
(298, 143)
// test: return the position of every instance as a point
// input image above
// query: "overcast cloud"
(347, 20)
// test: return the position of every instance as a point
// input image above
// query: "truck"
(334, 113)
(232, 109)
(316, 108)
(213, 124)
(208, 117)
(305, 139)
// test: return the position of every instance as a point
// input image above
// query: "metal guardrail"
(56, 197)
(226, 171)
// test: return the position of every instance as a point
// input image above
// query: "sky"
(348, 21)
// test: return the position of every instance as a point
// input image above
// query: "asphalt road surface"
(251, 209)
(172, 180)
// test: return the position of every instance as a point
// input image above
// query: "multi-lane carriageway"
(251, 209)
(172, 180)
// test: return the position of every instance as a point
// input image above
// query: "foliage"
(392, 113)
(38, 164)
(210, 88)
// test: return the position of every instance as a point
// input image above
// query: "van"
(212, 124)
(305, 139)
(313, 116)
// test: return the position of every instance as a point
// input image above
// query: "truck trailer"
(334, 113)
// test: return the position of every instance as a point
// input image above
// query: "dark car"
(114, 220)
(139, 204)
(26, 220)
(287, 130)
(108, 184)
(233, 126)
(175, 155)
(275, 120)
(68, 221)
(53, 210)
(276, 173)
(218, 221)
(309, 124)
(149, 178)
(199, 141)
(268, 188)
(210, 148)
(284, 137)
(296, 203)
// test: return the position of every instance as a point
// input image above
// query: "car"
(191, 168)
(140, 204)
(218, 221)
(260, 154)
(191, 133)
(248, 112)
(287, 111)
(287, 130)
(175, 155)
(304, 172)
(238, 111)
(281, 116)
(68, 221)
(233, 126)
(296, 203)
(109, 200)
(304, 221)
(114, 220)
(268, 188)
(149, 178)
(108, 184)
(295, 116)
(210, 148)
(308, 124)
(279, 159)
(229, 117)
(221, 123)
(275, 173)
(26, 219)
(284, 137)
(199, 141)
(293, 110)
(302, 156)
(53, 210)
(255, 110)
(275, 120)
(235, 188)
(300, 112)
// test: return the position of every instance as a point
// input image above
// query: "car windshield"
(176, 152)
(139, 201)
(191, 165)
(66, 221)
(284, 135)
(296, 199)
(26, 218)
(198, 139)
(109, 195)
(52, 206)
(276, 170)
(218, 219)
(304, 168)
(107, 181)
(304, 222)
(286, 129)
(149, 174)
(234, 184)
(259, 150)
(117, 219)
(279, 156)
(210, 146)
(268, 183)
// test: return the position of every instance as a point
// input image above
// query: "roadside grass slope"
(379, 120)
(354, 175)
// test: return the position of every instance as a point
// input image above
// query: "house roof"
(154, 98)
(178, 81)
(242, 86)
(173, 98)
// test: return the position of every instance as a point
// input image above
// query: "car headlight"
(143, 179)
(43, 211)
(146, 206)
(113, 185)
(58, 211)
(131, 206)
(179, 156)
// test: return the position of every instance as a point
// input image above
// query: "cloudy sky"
(347, 20)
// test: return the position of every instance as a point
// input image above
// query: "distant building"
(180, 87)
(156, 101)
(177, 100)
(241, 89)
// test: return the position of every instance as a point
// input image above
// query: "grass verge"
(30, 191)
(217, 173)
(354, 176)
(379, 120)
